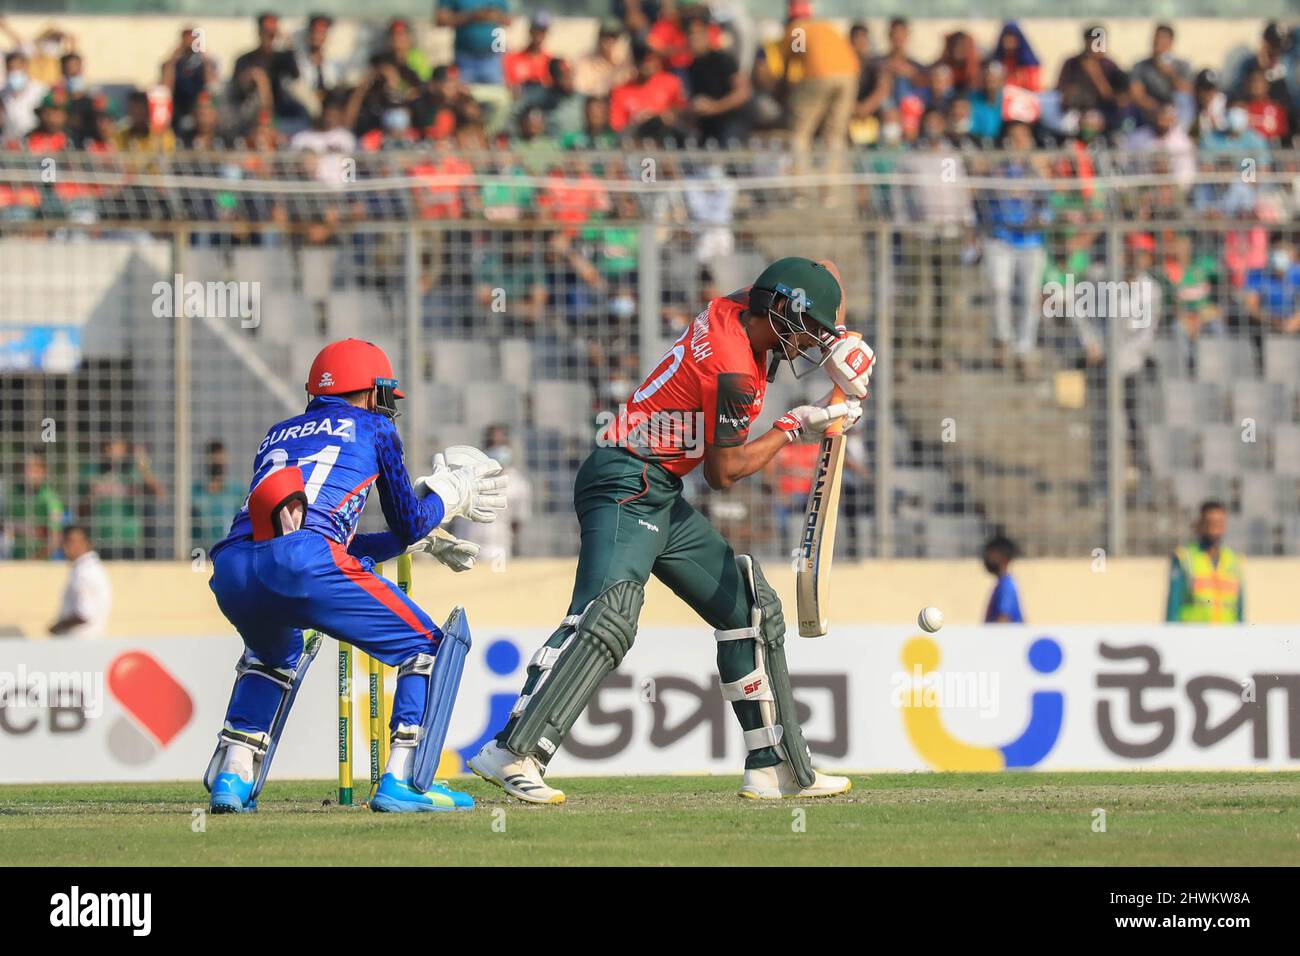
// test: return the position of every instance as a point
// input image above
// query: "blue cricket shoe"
(398, 796)
(232, 794)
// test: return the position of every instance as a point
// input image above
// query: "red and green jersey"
(706, 390)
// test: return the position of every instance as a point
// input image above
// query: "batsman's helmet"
(809, 286)
(351, 365)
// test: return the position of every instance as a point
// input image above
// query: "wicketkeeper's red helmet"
(352, 365)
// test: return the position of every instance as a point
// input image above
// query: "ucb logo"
(156, 707)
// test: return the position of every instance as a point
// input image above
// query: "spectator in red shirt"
(572, 194)
(1020, 65)
(1267, 116)
(532, 64)
(648, 106)
(668, 35)
(1272, 60)
(49, 134)
(791, 472)
(445, 181)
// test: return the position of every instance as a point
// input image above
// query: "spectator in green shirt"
(1189, 282)
(511, 283)
(617, 243)
(596, 133)
(34, 513)
(215, 500)
(115, 492)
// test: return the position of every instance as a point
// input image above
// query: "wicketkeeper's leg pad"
(769, 682)
(263, 744)
(444, 673)
(562, 679)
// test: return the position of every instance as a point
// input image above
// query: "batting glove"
(807, 423)
(849, 365)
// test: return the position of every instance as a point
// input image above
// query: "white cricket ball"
(930, 619)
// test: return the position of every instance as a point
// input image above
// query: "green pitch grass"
(891, 819)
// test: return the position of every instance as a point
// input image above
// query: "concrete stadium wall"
(172, 598)
(130, 49)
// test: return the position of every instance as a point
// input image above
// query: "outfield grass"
(892, 819)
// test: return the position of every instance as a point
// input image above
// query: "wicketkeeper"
(293, 560)
(635, 523)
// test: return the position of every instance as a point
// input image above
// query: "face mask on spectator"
(16, 80)
(501, 453)
(396, 120)
(1238, 119)
(76, 84)
(622, 307)
(1281, 260)
(892, 133)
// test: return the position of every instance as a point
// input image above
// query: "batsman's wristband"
(789, 424)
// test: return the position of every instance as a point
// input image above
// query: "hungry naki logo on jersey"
(922, 693)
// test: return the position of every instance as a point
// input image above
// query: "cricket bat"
(812, 580)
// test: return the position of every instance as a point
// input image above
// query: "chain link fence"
(1076, 347)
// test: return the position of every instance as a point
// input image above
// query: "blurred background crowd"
(556, 218)
(660, 70)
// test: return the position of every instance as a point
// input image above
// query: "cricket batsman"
(293, 560)
(635, 523)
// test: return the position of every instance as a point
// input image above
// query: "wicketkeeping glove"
(456, 553)
(475, 491)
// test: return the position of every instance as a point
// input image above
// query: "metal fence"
(1076, 347)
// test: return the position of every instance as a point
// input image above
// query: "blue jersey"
(343, 452)
(1005, 601)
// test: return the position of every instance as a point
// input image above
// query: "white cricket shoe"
(773, 783)
(521, 777)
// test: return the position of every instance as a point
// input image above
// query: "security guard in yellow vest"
(1205, 579)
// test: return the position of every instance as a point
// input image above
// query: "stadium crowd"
(680, 75)
(661, 70)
